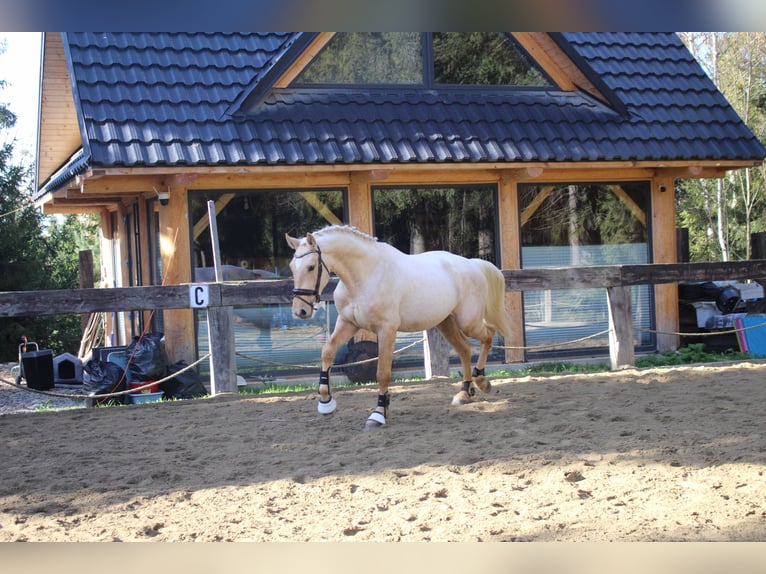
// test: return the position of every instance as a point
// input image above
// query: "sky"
(20, 69)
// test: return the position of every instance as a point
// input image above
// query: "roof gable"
(59, 131)
(176, 99)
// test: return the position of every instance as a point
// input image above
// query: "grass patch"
(691, 354)
(694, 353)
(274, 388)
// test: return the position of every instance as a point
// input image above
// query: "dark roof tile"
(166, 99)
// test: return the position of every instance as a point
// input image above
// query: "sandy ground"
(637, 455)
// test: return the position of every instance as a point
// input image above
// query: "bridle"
(299, 293)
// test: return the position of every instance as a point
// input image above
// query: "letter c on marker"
(199, 298)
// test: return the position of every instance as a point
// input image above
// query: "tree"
(721, 214)
(35, 253)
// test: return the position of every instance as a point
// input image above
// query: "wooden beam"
(50, 209)
(303, 60)
(616, 167)
(203, 222)
(693, 172)
(632, 206)
(106, 184)
(556, 63)
(532, 43)
(271, 291)
(535, 204)
(313, 200)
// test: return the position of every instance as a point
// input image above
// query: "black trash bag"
(699, 291)
(104, 378)
(361, 351)
(147, 359)
(187, 385)
(728, 299)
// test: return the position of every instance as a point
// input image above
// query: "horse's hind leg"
(462, 346)
(477, 376)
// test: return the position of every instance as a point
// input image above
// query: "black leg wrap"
(477, 372)
(324, 379)
(384, 400)
(468, 388)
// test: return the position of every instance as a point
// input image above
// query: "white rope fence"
(369, 360)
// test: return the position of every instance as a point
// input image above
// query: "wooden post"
(223, 366)
(360, 216)
(665, 251)
(621, 350)
(175, 249)
(85, 274)
(220, 326)
(436, 351)
(510, 258)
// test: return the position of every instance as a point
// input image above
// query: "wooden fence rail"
(220, 298)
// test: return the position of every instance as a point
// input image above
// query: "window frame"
(428, 82)
(648, 343)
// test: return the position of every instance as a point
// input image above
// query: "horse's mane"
(345, 229)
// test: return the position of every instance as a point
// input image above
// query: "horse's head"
(310, 275)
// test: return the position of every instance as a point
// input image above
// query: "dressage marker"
(384, 291)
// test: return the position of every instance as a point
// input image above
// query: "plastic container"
(137, 384)
(37, 367)
(139, 398)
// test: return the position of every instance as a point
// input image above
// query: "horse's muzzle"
(302, 309)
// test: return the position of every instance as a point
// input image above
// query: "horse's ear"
(312, 243)
(292, 241)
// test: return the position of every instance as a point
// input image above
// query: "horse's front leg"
(386, 343)
(343, 332)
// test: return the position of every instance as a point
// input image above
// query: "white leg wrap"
(327, 408)
(377, 417)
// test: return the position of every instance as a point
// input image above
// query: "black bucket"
(37, 368)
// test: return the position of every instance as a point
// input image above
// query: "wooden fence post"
(220, 326)
(223, 366)
(621, 352)
(436, 352)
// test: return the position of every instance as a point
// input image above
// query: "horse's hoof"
(482, 383)
(461, 398)
(327, 408)
(374, 421)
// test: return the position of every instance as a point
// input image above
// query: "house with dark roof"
(528, 149)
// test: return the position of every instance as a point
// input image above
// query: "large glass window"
(482, 58)
(439, 58)
(460, 219)
(570, 225)
(251, 233)
(367, 58)
(457, 219)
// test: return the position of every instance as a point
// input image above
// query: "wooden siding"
(59, 135)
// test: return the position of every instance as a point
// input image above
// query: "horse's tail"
(494, 307)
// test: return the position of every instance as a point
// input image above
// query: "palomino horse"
(383, 290)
